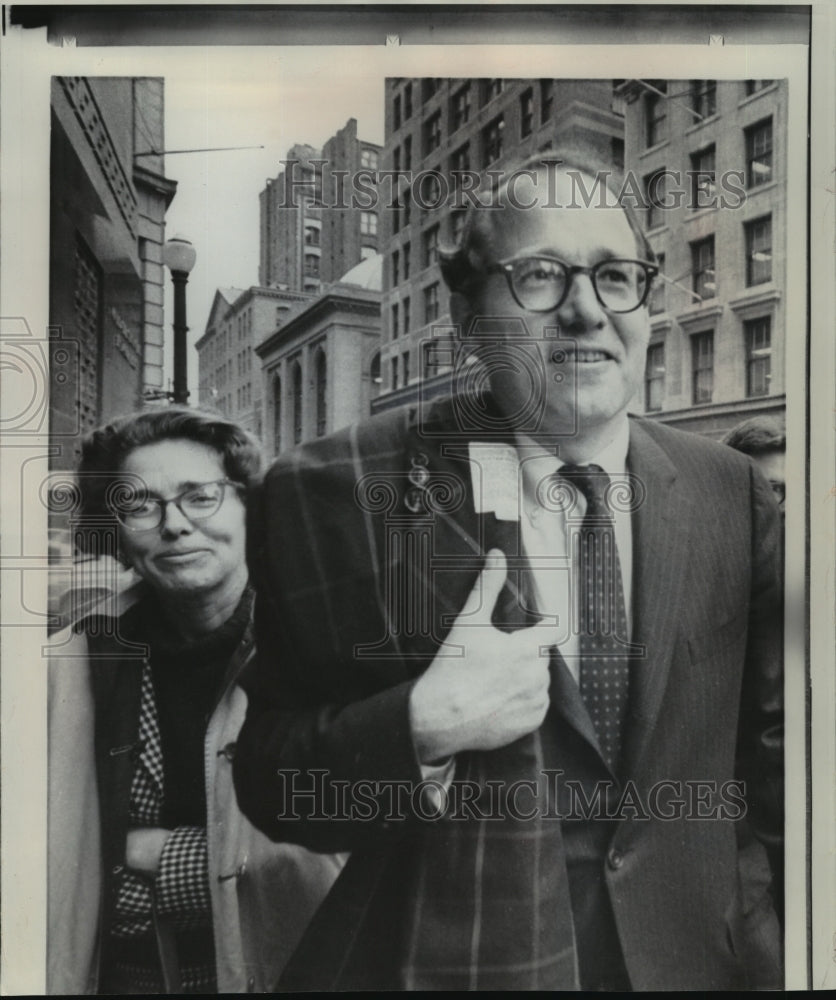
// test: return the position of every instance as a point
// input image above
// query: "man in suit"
(520, 653)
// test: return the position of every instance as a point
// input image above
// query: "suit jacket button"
(615, 859)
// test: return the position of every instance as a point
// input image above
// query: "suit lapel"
(661, 530)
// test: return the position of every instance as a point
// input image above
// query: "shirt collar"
(498, 470)
(537, 462)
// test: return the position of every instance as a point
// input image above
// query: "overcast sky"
(272, 100)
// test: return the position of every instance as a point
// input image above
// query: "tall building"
(710, 157)
(108, 199)
(313, 228)
(229, 376)
(350, 222)
(436, 128)
(290, 223)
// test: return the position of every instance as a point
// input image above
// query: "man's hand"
(494, 694)
(144, 849)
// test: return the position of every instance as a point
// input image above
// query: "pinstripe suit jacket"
(351, 608)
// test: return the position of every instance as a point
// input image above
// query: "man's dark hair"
(462, 265)
(756, 436)
(104, 451)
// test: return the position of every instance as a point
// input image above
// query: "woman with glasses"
(157, 882)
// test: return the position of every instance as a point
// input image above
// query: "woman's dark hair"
(756, 436)
(104, 451)
(462, 266)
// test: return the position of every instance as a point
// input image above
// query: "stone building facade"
(108, 198)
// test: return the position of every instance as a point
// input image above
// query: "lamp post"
(179, 257)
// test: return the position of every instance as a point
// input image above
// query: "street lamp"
(179, 257)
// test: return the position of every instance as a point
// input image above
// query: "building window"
(490, 90)
(394, 373)
(432, 133)
(395, 310)
(431, 302)
(755, 86)
(704, 98)
(655, 119)
(702, 268)
(703, 179)
(311, 236)
(396, 159)
(759, 153)
(429, 194)
(368, 159)
(368, 223)
(431, 246)
(429, 87)
(657, 294)
(702, 366)
(617, 152)
(526, 113)
(457, 219)
(492, 141)
(759, 251)
(654, 378)
(407, 153)
(321, 393)
(654, 189)
(460, 160)
(405, 261)
(374, 373)
(396, 261)
(297, 402)
(311, 265)
(546, 100)
(406, 368)
(407, 102)
(397, 112)
(406, 316)
(758, 334)
(461, 107)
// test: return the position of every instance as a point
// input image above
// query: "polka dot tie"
(601, 615)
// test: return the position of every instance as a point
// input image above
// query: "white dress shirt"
(513, 483)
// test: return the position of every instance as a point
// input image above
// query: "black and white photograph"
(417, 507)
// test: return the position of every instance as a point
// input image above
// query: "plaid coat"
(362, 555)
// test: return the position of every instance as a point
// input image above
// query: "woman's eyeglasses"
(139, 512)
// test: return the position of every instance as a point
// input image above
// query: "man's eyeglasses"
(541, 284)
(143, 513)
(779, 488)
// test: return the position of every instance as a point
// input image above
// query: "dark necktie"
(601, 613)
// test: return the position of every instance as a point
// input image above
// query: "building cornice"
(690, 319)
(366, 303)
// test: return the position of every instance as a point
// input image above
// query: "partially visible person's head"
(204, 462)
(565, 256)
(765, 441)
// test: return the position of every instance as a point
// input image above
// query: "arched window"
(277, 414)
(374, 374)
(320, 367)
(297, 402)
